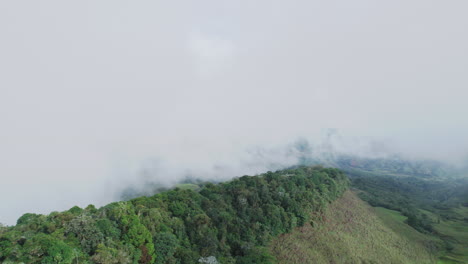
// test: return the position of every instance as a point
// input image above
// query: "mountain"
(229, 222)
(368, 211)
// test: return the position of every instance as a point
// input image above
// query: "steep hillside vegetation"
(277, 217)
(230, 222)
(431, 196)
(350, 231)
(433, 206)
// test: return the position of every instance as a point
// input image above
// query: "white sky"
(91, 90)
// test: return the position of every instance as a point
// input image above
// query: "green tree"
(139, 236)
(165, 246)
(46, 249)
(84, 228)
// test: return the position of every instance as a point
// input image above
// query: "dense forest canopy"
(423, 202)
(228, 222)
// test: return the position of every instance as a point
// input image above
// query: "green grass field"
(350, 231)
(455, 232)
(396, 221)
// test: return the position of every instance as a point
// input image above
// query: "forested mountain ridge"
(229, 222)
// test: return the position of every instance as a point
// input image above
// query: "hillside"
(351, 231)
(430, 196)
(230, 222)
(297, 215)
(432, 206)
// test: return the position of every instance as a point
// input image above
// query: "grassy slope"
(395, 220)
(455, 231)
(350, 231)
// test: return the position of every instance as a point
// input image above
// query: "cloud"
(211, 52)
(92, 93)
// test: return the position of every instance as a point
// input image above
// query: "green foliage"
(27, 218)
(165, 245)
(257, 255)
(216, 223)
(433, 206)
(43, 248)
(404, 195)
(84, 229)
(108, 228)
(138, 236)
(75, 210)
(110, 255)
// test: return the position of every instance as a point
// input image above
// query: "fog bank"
(98, 95)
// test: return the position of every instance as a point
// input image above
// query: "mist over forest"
(138, 175)
(151, 132)
(98, 98)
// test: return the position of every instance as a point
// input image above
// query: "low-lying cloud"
(95, 96)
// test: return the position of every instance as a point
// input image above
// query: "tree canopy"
(228, 222)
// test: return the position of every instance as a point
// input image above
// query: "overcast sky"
(92, 91)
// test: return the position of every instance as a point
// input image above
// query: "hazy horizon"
(93, 94)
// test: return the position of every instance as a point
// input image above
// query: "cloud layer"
(93, 92)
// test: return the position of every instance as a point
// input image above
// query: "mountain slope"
(432, 206)
(350, 231)
(298, 215)
(229, 222)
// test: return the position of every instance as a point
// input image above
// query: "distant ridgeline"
(228, 222)
(396, 166)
